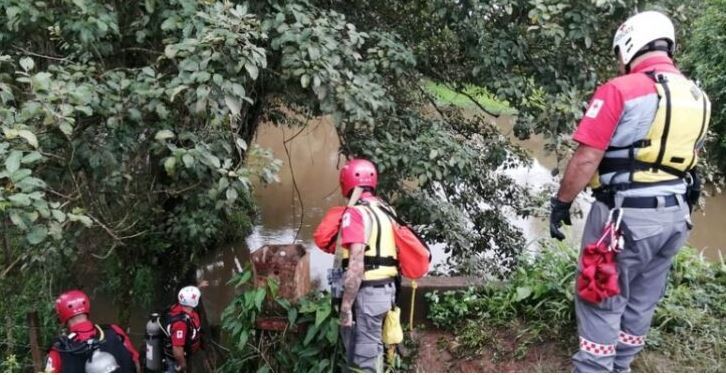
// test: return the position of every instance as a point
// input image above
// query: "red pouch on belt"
(598, 278)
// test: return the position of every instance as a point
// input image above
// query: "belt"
(642, 202)
(378, 283)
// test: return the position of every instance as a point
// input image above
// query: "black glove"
(560, 212)
(693, 192)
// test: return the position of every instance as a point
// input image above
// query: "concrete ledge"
(444, 282)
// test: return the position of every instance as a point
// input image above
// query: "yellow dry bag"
(392, 330)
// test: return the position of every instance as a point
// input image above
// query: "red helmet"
(72, 303)
(357, 172)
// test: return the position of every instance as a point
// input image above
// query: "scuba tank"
(153, 343)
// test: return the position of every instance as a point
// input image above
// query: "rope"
(413, 302)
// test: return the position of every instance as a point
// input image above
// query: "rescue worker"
(184, 328)
(370, 263)
(638, 142)
(88, 347)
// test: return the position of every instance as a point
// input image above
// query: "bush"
(687, 331)
(308, 344)
(705, 59)
(540, 292)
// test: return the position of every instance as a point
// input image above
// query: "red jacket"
(179, 331)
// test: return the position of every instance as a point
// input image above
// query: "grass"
(446, 95)
(534, 314)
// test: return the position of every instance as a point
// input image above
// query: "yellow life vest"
(670, 148)
(380, 258)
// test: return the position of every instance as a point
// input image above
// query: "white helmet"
(641, 30)
(189, 296)
(101, 362)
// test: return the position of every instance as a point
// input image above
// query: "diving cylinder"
(153, 344)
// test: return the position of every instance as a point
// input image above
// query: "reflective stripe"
(600, 350)
(631, 340)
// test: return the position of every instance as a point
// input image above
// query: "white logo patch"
(594, 109)
(346, 220)
(179, 334)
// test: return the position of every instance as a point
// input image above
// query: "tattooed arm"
(351, 283)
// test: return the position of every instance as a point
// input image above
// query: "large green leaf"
(163, 135)
(12, 163)
(322, 313)
(37, 234)
(27, 63)
(30, 183)
(170, 165)
(20, 199)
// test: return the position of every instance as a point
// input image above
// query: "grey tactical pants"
(363, 342)
(613, 332)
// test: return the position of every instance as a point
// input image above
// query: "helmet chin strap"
(650, 47)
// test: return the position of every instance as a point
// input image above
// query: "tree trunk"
(6, 242)
(34, 336)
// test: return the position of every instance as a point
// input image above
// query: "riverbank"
(526, 324)
(529, 325)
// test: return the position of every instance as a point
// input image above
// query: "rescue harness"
(373, 262)
(669, 149)
(75, 353)
(193, 336)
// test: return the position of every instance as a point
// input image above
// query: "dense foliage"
(544, 57)
(127, 125)
(308, 341)
(538, 305)
(705, 58)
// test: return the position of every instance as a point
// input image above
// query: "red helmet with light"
(72, 303)
(357, 172)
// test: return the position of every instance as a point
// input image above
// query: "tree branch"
(458, 91)
(10, 267)
(39, 55)
(177, 192)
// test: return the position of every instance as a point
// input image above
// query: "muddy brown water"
(314, 160)
(292, 208)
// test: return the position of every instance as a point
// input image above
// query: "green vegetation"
(469, 97)
(307, 339)
(705, 59)
(32, 295)
(127, 126)
(537, 306)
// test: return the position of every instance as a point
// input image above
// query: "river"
(287, 217)
(314, 160)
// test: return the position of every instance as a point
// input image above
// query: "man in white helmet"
(638, 145)
(183, 325)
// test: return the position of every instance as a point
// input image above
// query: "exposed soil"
(439, 351)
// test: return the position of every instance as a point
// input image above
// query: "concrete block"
(288, 264)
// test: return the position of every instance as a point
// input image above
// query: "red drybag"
(327, 231)
(414, 255)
